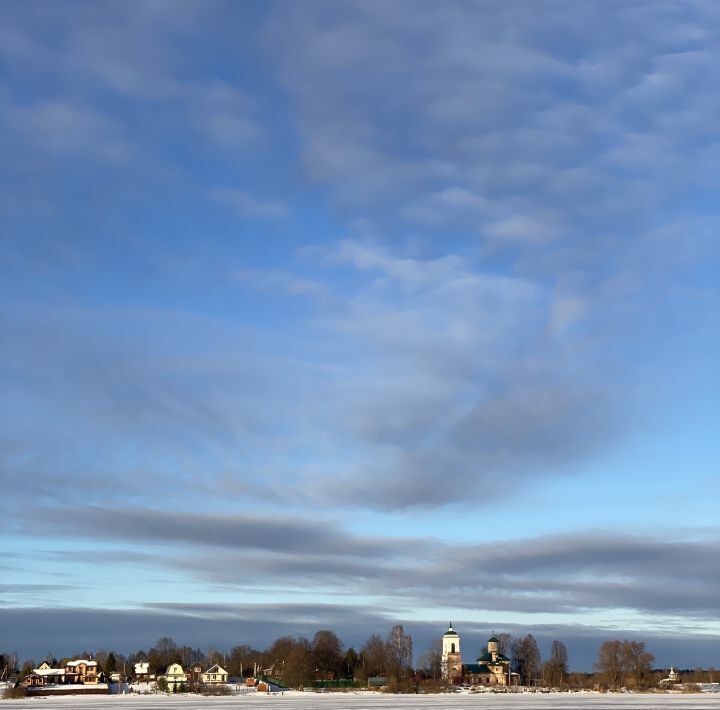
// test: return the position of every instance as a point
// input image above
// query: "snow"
(376, 701)
(49, 671)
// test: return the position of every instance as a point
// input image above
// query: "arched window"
(452, 648)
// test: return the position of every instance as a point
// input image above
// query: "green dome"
(450, 631)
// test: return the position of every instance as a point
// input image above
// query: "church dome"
(450, 631)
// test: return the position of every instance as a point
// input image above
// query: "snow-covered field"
(372, 701)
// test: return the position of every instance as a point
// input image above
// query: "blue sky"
(361, 312)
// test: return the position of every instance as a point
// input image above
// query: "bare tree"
(637, 661)
(504, 643)
(327, 653)
(526, 659)
(556, 667)
(374, 657)
(298, 666)
(431, 661)
(611, 662)
(400, 653)
(241, 658)
(162, 654)
(276, 656)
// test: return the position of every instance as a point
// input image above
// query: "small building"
(215, 675)
(175, 677)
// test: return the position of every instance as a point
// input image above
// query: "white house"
(141, 670)
(215, 675)
(175, 677)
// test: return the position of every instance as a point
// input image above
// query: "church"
(490, 668)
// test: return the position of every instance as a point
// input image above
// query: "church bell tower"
(451, 658)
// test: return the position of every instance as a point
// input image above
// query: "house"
(175, 677)
(215, 675)
(142, 671)
(44, 675)
(81, 671)
(195, 674)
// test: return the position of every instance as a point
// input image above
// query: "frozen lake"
(360, 701)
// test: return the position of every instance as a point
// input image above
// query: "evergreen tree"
(350, 662)
(110, 663)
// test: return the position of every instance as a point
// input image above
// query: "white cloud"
(245, 205)
(566, 312)
(526, 229)
(282, 281)
(60, 127)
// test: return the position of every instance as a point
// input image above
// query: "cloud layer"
(560, 574)
(363, 296)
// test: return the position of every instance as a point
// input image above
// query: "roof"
(450, 631)
(216, 669)
(475, 668)
(486, 657)
(79, 661)
(48, 671)
(492, 639)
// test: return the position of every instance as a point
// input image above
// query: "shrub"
(691, 688)
(216, 690)
(14, 693)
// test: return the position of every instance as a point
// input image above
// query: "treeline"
(619, 664)
(295, 661)
(299, 661)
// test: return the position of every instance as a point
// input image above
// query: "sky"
(348, 314)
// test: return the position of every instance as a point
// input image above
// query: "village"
(503, 665)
